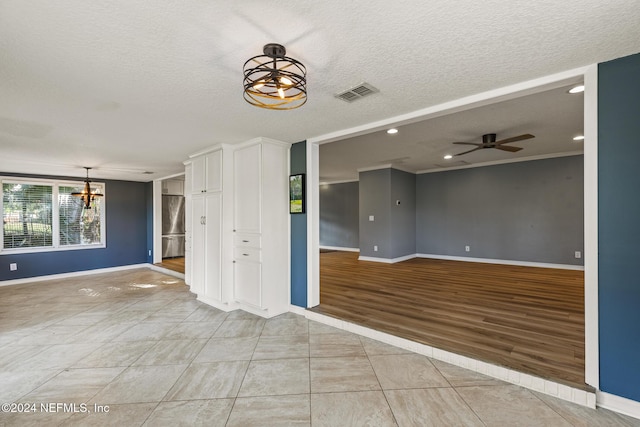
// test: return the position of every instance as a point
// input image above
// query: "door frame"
(588, 75)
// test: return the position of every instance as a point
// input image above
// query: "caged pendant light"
(275, 81)
(86, 195)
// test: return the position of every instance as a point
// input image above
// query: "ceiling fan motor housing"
(489, 139)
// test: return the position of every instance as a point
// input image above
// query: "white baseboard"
(166, 271)
(297, 310)
(503, 261)
(386, 260)
(226, 307)
(618, 404)
(72, 274)
(561, 391)
(340, 248)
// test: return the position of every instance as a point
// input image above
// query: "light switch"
(370, 217)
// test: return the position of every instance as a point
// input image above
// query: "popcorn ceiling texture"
(143, 84)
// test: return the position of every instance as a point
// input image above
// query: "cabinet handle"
(245, 254)
(245, 241)
(204, 220)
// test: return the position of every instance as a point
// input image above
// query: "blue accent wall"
(299, 233)
(126, 227)
(619, 226)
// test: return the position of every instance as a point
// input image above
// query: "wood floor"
(525, 318)
(175, 264)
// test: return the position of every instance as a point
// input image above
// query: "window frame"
(55, 215)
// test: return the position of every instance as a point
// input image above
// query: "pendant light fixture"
(275, 81)
(86, 195)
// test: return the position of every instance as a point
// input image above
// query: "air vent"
(357, 92)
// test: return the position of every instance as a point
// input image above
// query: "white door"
(213, 245)
(247, 172)
(248, 288)
(198, 238)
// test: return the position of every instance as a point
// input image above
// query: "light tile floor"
(135, 348)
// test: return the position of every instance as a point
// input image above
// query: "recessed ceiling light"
(578, 138)
(577, 89)
(448, 156)
(392, 131)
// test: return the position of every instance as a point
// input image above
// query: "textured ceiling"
(134, 86)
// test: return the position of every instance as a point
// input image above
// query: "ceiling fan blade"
(469, 143)
(508, 148)
(515, 138)
(460, 154)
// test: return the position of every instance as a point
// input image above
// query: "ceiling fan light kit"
(86, 195)
(489, 141)
(275, 81)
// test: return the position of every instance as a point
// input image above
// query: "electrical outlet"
(375, 248)
(13, 266)
(467, 248)
(149, 252)
(578, 254)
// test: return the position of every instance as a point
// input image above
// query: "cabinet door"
(198, 175)
(248, 288)
(213, 245)
(198, 245)
(214, 171)
(247, 171)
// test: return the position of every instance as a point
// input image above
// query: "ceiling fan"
(489, 141)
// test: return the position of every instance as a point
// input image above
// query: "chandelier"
(275, 81)
(86, 195)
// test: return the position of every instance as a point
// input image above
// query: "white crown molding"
(502, 162)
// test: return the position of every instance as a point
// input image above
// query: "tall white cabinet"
(240, 226)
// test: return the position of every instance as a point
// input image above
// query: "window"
(33, 222)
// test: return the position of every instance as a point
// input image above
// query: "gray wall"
(375, 190)
(394, 227)
(527, 211)
(403, 216)
(339, 215)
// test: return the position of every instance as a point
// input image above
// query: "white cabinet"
(207, 246)
(203, 254)
(247, 183)
(206, 172)
(261, 227)
(240, 226)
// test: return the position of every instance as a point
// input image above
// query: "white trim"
(313, 224)
(565, 78)
(618, 404)
(384, 166)
(503, 162)
(71, 274)
(503, 261)
(343, 181)
(386, 260)
(561, 391)
(340, 248)
(588, 74)
(375, 168)
(166, 271)
(157, 222)
(591, 332)
(517, 90)
(297, 310)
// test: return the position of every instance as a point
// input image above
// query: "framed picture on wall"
(296, 193)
